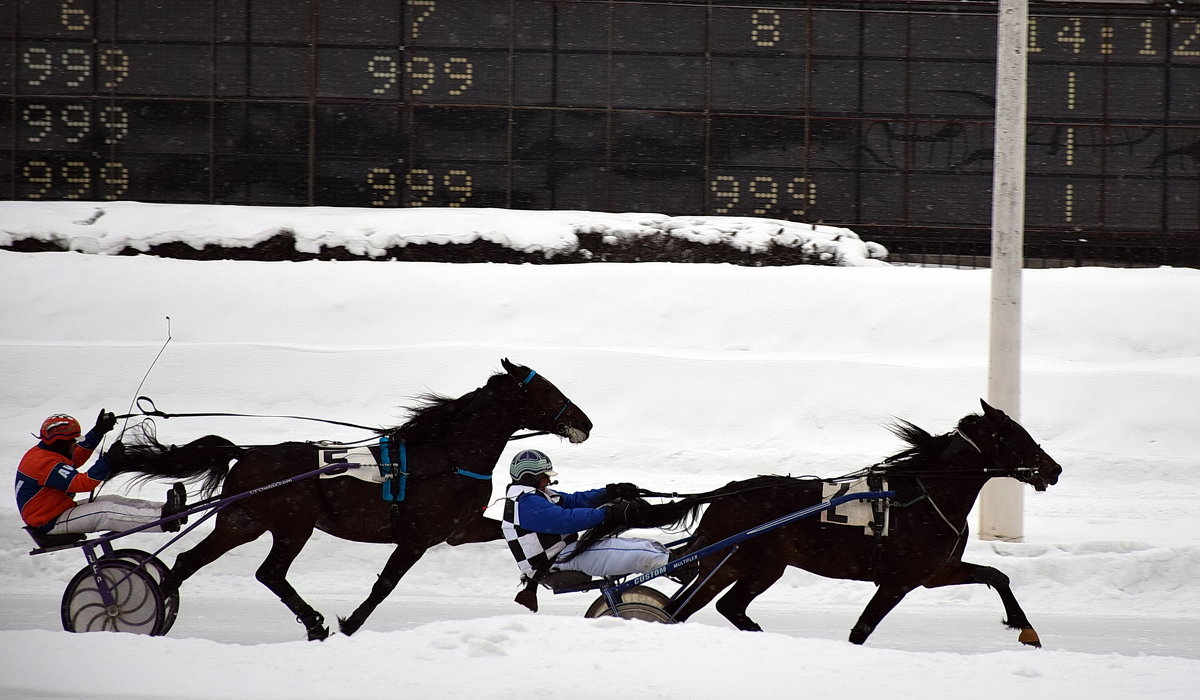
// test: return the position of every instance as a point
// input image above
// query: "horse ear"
(509, 367)
(991, 413)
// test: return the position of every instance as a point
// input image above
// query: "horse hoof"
(859, 636)
(347, 627)
(1030, 637)
(314, 624)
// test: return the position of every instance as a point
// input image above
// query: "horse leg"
(965, 573)
(886, 597)
(397, 565)
(222, 539)
(720, 581)
(733, 604)
(272, 573)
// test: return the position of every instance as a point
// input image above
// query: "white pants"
(615, 556)
(108, 514)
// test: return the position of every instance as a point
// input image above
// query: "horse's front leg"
(397, 565)
(966, 572)
(886, 597)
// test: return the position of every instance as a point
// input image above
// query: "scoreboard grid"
(872, 115)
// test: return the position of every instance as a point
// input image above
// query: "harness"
(395, 473)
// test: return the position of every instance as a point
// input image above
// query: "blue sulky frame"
(612, 588)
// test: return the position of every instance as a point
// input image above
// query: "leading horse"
(936, 482)
(916, 539)
(450, 448)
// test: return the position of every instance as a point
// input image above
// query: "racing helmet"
(59, 426)
(531, 462)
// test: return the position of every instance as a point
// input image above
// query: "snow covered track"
(695, 376)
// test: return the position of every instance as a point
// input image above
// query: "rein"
(717, 494)
(147, 408)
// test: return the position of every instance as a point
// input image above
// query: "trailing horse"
(448, 448)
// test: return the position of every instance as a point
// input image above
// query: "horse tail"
(678, 514)
(206, 460)
(682, 513)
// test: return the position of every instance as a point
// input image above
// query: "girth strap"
(395, 476)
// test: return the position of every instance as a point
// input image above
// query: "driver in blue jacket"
(542, 526)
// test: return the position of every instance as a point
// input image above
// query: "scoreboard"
(868, 114)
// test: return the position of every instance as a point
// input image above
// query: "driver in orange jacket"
(49, 475)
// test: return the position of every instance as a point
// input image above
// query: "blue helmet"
(531, 462)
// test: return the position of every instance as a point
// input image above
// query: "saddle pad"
(853, 513)
(368, 466)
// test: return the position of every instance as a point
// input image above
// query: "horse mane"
(434, 412)
(925, 449)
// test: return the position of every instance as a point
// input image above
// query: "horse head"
(1012, 449)
(543, 407)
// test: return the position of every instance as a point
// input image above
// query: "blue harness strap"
(473, 475)
(395, 476)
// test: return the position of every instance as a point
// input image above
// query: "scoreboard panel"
(867, 114)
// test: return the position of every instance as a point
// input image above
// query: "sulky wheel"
(137, 604)
(637, 594)
(158, 570)
(637, 611)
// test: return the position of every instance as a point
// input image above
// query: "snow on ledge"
(111, 227)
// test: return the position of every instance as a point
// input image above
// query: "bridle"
(524, 384)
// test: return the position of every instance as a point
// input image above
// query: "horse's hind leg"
(719, 581)
(965, 572)
(886, 597)
(398, 564)
(733, 604)
(272, 573)
(222, 539)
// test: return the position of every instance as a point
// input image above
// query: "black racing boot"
(176, 503)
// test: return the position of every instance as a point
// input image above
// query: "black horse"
(936, 482)
(451, 447)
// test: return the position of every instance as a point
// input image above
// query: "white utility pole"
(1001, 504)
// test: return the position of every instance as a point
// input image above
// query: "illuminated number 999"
(764, 195)
(74, 179)
(425, 187)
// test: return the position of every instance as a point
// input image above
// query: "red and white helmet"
(60, 426)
